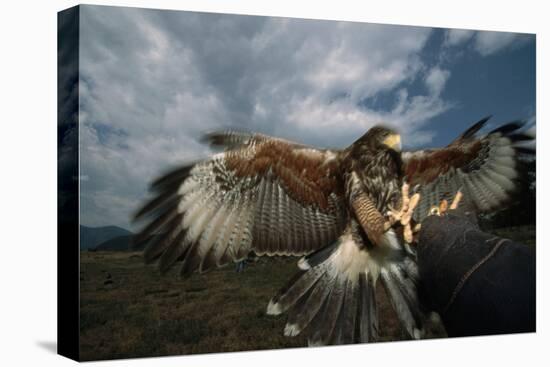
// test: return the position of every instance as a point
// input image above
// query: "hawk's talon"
(444, 207)
(456, 200)
(408, 232)
(396, 215)
(413, 202)
(414, 231)
(405, 213)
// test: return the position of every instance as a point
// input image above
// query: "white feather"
(238, 228)
(500, 141)
(225, 233)
(349, 260)
(482, 194)
(189, 200)
(211, 231)
(504, 170)
(303, 264)
(188, 185)
(291, 330)
(504, 151)
(494, 190)
(198, 217)
(501, 180)
(243, 236)
(273, 308)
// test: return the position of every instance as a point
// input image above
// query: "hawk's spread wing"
(262, 194)
(483, 168)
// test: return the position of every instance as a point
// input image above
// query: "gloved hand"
(480, 284)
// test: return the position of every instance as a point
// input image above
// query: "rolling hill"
(120, 243)
(91, 237)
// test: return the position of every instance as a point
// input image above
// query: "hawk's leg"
(369, 217)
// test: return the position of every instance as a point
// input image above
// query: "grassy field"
(129, 310)
(521, 234)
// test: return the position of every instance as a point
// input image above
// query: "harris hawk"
(346, 213)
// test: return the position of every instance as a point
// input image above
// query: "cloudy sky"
(151, 82)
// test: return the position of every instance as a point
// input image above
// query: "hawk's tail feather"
(400, 281)
(326, 324)
(316, 258)
(330, 302)
(349, 314)
(368, 331)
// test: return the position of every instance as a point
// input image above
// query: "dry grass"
(521, 234)
(129, 310)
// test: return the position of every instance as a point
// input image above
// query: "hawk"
(345, 212)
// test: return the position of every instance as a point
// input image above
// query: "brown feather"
(483, 168)
(427, 167)
(307, 177)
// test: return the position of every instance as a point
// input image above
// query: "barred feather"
(483, 168)
(248, 198)
(400, 285)
(333, 299)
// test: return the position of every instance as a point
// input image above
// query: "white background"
(28, 182)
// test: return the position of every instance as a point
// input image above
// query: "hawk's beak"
(393, 142)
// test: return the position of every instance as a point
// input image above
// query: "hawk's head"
(380, 137)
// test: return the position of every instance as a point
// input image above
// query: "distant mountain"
(120, 243)
(91, 237)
